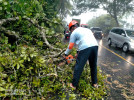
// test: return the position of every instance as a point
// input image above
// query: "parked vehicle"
(123, 38)
(97, 32)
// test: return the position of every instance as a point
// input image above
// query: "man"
(87, 50)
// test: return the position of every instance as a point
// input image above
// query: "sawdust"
(115, 70)
(127, 77)
(132, 84)
(120, 86)
(126, 96)
(131, 90)
(116, 82)
(105, 65)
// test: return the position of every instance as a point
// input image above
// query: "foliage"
(82, 6)
(25, 74)
(29, 34)
(25, 71)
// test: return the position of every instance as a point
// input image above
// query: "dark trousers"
(89, 54)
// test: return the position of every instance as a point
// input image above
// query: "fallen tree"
(30, 54)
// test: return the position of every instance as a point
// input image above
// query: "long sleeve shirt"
(83, 38)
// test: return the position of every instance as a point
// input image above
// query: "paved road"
(119, 67)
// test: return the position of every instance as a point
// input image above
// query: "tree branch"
(35, 23)
(8, 20)
(42, 31)
(9, 32)
(56, 55)
(52, 74)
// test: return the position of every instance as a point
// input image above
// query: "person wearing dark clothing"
(87, 50)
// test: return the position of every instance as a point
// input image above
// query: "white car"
(123, 38)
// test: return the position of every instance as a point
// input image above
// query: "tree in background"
(81, 6)
(64, 8)
(105, 22)
(115, 8)
(60, 7)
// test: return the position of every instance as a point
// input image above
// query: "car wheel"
(109, 42)
(125, 48)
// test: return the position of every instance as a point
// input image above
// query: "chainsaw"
(69, 59)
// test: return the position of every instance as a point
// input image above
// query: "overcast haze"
(85, 17)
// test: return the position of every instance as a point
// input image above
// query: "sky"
(85, 17)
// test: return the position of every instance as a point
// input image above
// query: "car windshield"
(97, 29)
(130, 33)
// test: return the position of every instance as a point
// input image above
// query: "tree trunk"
(117, 23)
(115, 12)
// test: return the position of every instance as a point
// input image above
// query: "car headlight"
(131, 40)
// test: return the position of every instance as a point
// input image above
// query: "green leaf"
(1, 69)
(21, 61)
(20, 18)
(28, 59)
(31, 55)
(14, 65)
(22, 65)
(40, 43)
(9, 79)
(4, 75)
(2, 89)
(18, 66)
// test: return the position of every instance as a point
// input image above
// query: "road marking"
(117, 55)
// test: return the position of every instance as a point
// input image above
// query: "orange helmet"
(73, 22)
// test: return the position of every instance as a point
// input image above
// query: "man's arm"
(71, 43)
(69, 48)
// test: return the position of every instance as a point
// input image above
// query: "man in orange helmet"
(87, 50)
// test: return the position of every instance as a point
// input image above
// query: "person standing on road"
(87, 50)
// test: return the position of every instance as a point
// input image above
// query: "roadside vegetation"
(30, 53)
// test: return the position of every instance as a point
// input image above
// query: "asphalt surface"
(119, 67)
